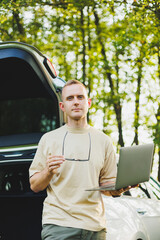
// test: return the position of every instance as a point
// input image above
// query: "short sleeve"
(39, 161)
(109, 170)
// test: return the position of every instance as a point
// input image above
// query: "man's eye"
(70, 98)
(80, 97)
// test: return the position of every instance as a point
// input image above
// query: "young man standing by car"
(68, 161)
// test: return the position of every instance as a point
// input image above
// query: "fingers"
(134, 186)
(116, 193)
(54, 162)
(126, 188)
(122, 190)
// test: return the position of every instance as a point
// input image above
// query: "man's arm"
(40, 180)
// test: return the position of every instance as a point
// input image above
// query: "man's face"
(75, 101)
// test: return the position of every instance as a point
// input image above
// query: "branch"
(5, 31)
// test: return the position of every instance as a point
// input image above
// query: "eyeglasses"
(73, 159)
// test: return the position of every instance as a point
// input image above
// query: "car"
(29, 95)
(30, 92)
(136, 214)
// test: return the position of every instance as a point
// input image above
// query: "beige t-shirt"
(90, 161)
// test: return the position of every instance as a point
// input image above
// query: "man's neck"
(82, 123)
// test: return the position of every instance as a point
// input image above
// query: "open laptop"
(134, 167)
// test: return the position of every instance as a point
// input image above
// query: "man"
(68, 161)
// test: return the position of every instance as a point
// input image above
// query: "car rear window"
(31, 115)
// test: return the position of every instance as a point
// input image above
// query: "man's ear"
(61, 105)
(89, 102)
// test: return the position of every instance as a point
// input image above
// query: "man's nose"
(76, 101)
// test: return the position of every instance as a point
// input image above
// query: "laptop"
(134, 167)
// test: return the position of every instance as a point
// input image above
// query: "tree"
(111, 46)
(108, 72)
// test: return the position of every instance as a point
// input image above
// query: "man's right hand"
(54, 162)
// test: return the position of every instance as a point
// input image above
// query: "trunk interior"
(21, 209)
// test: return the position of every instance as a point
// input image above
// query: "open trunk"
(28, 109)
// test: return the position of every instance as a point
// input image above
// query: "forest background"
(113, 47)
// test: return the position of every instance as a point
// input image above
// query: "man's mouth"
(76, 109)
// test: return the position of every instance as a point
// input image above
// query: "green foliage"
(112, 46)
(156, 133)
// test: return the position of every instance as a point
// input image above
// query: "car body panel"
(149, 212)
(123, 221)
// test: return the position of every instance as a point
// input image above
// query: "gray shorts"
(54, 232)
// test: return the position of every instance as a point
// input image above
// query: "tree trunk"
(137, 103)
(89, 69)
(84, 47)
(19, 23)
(158, 137)
(158, 114)
(116, 101)
(159, 164)
(89, 49)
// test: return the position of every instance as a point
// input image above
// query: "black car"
(29, 96)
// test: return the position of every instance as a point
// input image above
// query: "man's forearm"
(40, 180)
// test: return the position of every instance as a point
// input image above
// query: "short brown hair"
(72, 82)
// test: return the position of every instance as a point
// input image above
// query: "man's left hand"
(117, 193)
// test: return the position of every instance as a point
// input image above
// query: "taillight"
(49, 66)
